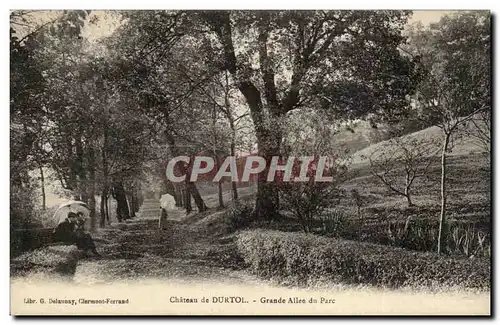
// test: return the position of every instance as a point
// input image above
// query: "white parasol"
(167, 202)
(72, 206)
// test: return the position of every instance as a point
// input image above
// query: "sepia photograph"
(250, 162)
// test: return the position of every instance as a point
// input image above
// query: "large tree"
(347, 62)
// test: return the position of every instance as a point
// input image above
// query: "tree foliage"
(455, 56)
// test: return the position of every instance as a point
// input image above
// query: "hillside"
(359, 136)
(463, 146)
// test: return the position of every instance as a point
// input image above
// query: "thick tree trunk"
(265, 119)
(91, 193)
(181, 196)
(233, 154)
(80, 169)
(193, 191)
(216, 156)
(187, 201)
(122, 210)
(140, 198)
(135, 197)
(171, 189)
(104, 204)
(269, 137)
(219, 184)
(93, 212)
(267, 201)
(234, 191)
(42, 181)
(232, 126)
(178, 198)
(103, 208)
(129, 193)
(190, 186)
(442, 216)
(130, 198)
(267, 198)
(105, 190)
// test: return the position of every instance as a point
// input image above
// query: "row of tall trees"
(103, 113)
(67, 116)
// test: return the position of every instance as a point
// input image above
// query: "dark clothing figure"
(65, 232)
(84, 242)
(163, 219)
(71, 232)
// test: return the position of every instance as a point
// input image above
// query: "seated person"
(65, 230)
(70, 231)
(84, 240)
(80, 221)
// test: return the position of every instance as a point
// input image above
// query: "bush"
(335, 223)
(238, 215)
(22, 207)
(300, 258)
(46, 217)
(22, 214)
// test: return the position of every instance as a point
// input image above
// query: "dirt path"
(137, 249)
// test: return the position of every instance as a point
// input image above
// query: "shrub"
(238, 215)
(46, 217)
(22, 214)
(414, 234)
(22, 207)
(307, 200)
(416, 228)
(301, 258)
(335, 223)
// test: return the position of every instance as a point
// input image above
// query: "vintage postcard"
(237, 162)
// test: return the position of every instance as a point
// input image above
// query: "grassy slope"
(360, 136)
(468, 181)
(463, 146)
